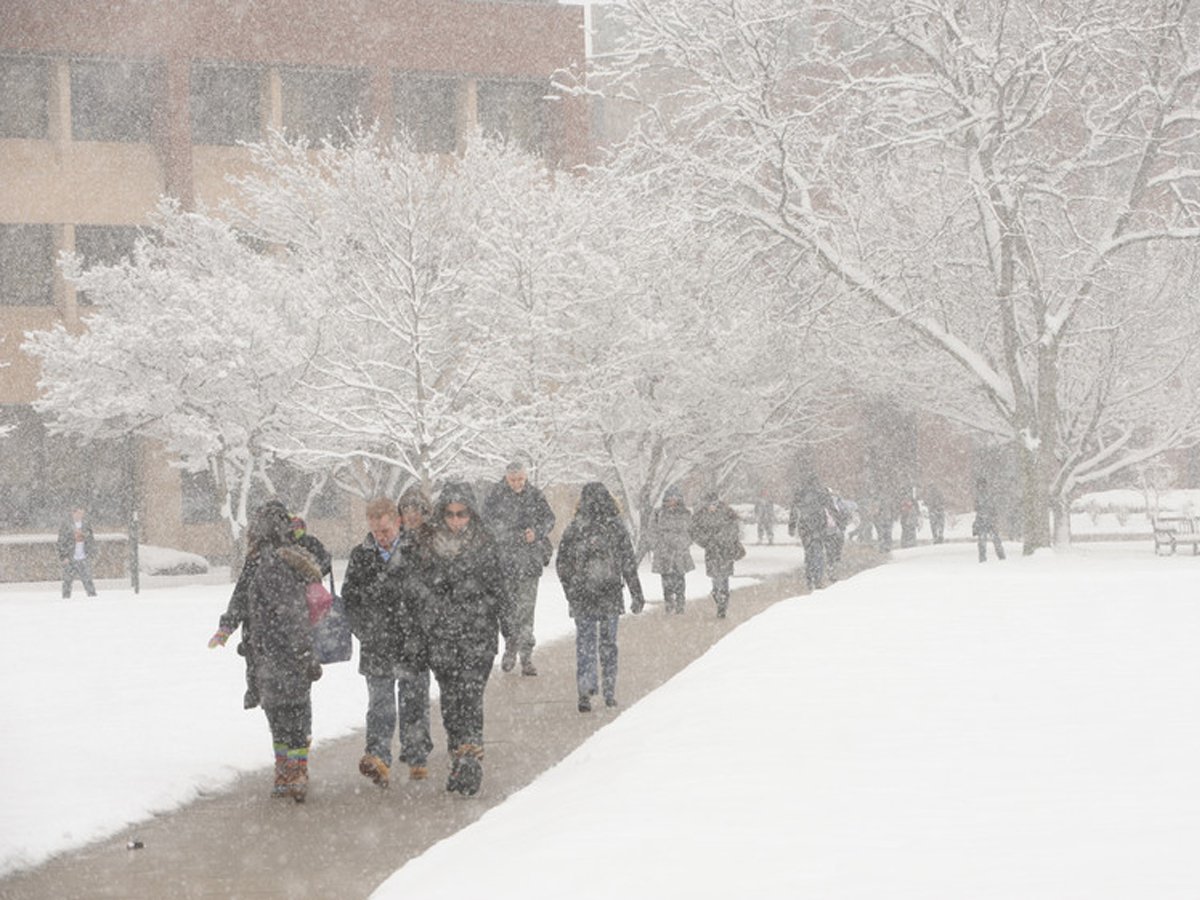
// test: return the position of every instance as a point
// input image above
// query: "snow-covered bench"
(1172, 531)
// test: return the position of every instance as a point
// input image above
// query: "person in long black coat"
(281, 639)
(595, 562)
(717, 529)
(458, 594)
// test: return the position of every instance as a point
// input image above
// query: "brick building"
(107, 106)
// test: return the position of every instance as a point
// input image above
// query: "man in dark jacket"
(521, 520)
(377, 620)
(76, 547)
(987, 521)
(809, 520)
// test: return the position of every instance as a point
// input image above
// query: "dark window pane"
(320, 103)
(24, 97)
(226, 104)
(112, 101)
(199, 497)
(514, 111)
(26, 265)
(425, 111)
(103, 245)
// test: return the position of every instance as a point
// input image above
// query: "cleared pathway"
(350, 835)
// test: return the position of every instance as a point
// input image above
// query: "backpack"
(599, 569)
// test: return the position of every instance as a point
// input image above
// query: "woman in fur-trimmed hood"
(459, 595)
(282, 644)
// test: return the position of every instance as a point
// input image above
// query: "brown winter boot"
(375, 769)
(295, 777)
(281, 786)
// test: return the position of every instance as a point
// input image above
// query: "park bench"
(1170, 532)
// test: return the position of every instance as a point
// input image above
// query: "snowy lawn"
(114, 709)
(932, 728)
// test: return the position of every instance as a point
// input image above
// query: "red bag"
(320, 601)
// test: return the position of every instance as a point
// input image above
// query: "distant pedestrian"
(810, 520)
(670, 547)
(764, 518)
(595, 562)
(310, 544)
(910, 519)
(282, 644)
(986, 520)
(935, 503)
(76, 548)
(518, 515)
(837, 517)
(459, 596)
(717, 529)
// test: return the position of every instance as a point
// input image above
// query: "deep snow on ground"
(933, 728)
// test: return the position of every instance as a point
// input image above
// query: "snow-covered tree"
(1013, 187)
(197, 342)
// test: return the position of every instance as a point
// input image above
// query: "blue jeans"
(404, 698)
(592, 634)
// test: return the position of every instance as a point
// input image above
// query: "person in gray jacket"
(670, 547)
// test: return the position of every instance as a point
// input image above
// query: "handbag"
(331, 633)
(320, 601)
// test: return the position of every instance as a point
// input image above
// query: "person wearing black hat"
(458, 595)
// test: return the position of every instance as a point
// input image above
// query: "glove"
(638, 604)
(315, 672)
(219, 638)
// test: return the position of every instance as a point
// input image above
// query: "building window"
(45, 475)
(226, 104)
(103, 245)
(25, 99)
(426, 112)
(198, 492)
(112, 100)
(320, 104)
(26, 265)
(515, 112)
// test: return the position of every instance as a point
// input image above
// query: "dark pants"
(462, 705)
(767, 530)
(596, 636)
(720, 593)
(983, 536)
(403, 699)
(814, 562)
(937, 525)
(518, 625)
(290, 723)
(81, 569)
(673, 591)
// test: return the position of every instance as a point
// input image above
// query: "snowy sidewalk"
(350, 837)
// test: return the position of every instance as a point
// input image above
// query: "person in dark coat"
(396, 696)
(670, 546)
(987, 522)
(717, 529)
(76, 547)
(281, 639)
(764, 518)
(809, 520)
(459, 594)
(595, 562)
(237, 610)
(935, 503)
(311, 545)
(518, 515)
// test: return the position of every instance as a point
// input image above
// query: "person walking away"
(460, 596)
(521, 520)
(910, 519)
(282, 644)
(986, 520)
(837, 517)
(715, 527)
(809, 521)
(310, 544)
(76, 547)
(764, 518)
(670, 546)
(595, 562)
(237, 610)
(376, 619)
(936, 504)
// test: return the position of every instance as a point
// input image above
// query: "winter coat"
(810, 514)
(507, 514)
(66, 540)
(671, 540)
(717, 530)
(376, 615)
(285, 663)
(457, 592)
(314, 548)
(397, 593)
(596, 560)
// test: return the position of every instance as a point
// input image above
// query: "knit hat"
(414, 498)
